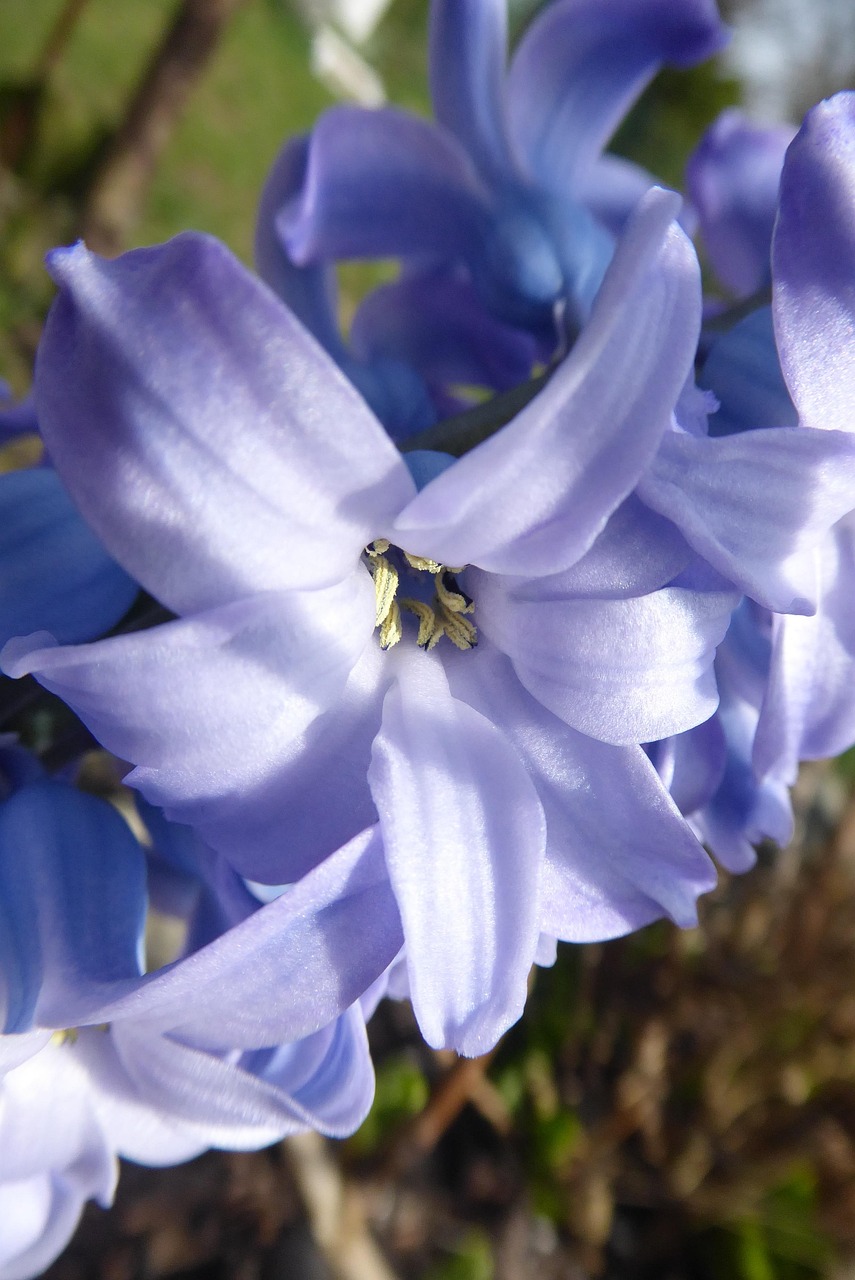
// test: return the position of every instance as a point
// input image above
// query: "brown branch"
(58, 38)
(120, 183)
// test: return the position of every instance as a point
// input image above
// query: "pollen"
(443, 613)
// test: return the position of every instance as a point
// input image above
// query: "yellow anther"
(421, 564)
(385, 586)
(442, 617)
(460, 631)
(453, 600)
(391, 628)
(427, 622)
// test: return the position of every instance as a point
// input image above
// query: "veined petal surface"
(813, 266)
(463, 834)
(210, 443)
(211, 709)
(468, 49)
(618, 853)
(752, 503)
(532, 498)
(582, 63)
(382, 183)
(622, 670)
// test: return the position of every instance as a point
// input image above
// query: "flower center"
(440, 610)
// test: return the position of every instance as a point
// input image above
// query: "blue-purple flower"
(511, 181)
(253, 493)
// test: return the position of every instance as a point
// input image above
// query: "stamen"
(423, 565)
(442, 617)
(427, 622)
(391, 628)
(385, 586)
(454, 600)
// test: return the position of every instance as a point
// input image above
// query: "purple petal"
(319, 795)
(54, 574)
(173, 382)
(381, 184)
(75, 905)
(209, 1096)
(581, 65)
(309, 291)
(625, 670)
(532, 498)
(468, 47)
(618, 853)
(744, 373)
(436, 324)
(611, 189)
(732, 179)
(752, 504)
(212, 709)
(284, 972)
(809, 712)
(463, 835)
(813, 266)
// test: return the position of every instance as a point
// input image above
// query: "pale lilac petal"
(20, 1048)
(752, 504)
(212, 709)
(48, 1124)
(732, 179)
(813, 266)
(329, 1075)
(463, 834)
(236, 456)
(284, 972)
(625, 670)
(468, 48)
(209, 1096)
(381, 184)
(319, 795)
(809, 712)
(533, 497)
(691, 764)
(135, 1130)
(581, 65)
(618, 854)
(38, 1217)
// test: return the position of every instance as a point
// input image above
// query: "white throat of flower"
(445, 615)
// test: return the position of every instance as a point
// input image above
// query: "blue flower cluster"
(478, 629)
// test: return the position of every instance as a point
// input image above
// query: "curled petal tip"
(16, 654)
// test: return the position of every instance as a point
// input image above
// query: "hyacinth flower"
(510, 181)
(254, 494)
(228, 1046)
(785, 680)
(809, 712)
(539, 610)
(410, 343)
